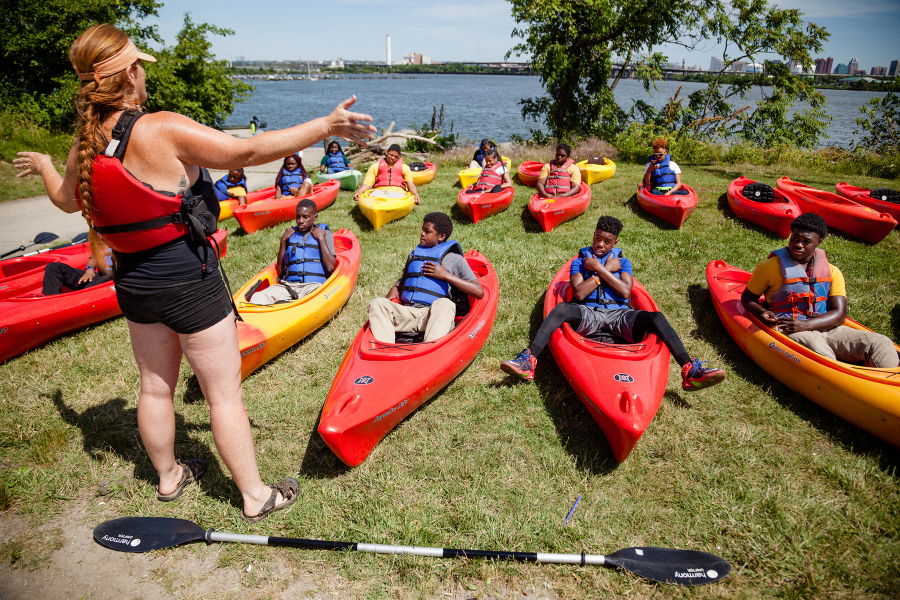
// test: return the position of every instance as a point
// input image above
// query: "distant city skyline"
(447, 32)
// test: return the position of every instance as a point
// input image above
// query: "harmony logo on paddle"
(623, 378)
(695, 573)
(122, 539)
(364, 380)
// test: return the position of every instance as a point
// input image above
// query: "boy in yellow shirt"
(389, 171)
(560, 177)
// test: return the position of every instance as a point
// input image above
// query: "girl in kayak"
(662, 176)
(334, 160)
(166, 277)
(58, 275)
(494, 176)
(478, 159)
(560, 177)
(389, 172)
(232, 186)
(601, 281)
(292, 179)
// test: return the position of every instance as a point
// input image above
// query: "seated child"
(389, 171)
(601, 282)
(59, 275)
(808, 301)
(232, 186)
(478, 159)
(560, 177)
(292, 179)
(420, 300)
(305, 258)
(662, 176)
(334, 160)
(494, 176)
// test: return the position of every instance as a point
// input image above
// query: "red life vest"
(489, 178)
(559, 179)
(390, 175)
(804, 293)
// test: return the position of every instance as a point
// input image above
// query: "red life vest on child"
(390, 174)
(489, 178)
(559, 179)
(804, 293)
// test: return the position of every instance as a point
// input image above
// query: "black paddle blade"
(666, 565)
(143, 534)
(80, 238)
(45, 237)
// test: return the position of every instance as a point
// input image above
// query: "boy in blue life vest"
(478, 158)
(662, 175)
(560, 177)
(305, 258)
(807, 300)
(601, 282)
(420, 300)
(232, 186)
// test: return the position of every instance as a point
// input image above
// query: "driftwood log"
(377, 148)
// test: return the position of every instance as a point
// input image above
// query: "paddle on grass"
(42, 238)
(664, 565)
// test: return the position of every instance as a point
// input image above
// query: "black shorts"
(182, 306)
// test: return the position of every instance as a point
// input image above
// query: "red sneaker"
(694, 376)
(521, 366)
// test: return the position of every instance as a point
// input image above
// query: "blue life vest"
(804, 293)
(336, 162)
(292, 179)
(603, 297)
(302, 261)
(223, 184)
(663, 178)
(419, 288)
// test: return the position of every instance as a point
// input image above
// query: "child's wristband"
(597, 280)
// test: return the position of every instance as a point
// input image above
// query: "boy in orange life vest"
(389, 171)
(560, 177)
(305, 258)
(419, 301)
(662, 176)
(811, 312)
(494, 176)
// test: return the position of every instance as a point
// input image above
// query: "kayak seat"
(260, 284)
(596, 160)
(607, 338)
(417, 166)
(759, 192)
(886, 194)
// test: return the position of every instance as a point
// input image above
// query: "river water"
(479, 106)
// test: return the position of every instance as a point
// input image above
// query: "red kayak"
(881, 199)
(378, 385)
(25, 274)
(30, 320)
(760, 204)
(672, 209)
(840, 213)
(529, 172)
(621, 385)
(271, 212)
(550, 212)
(481, 205)
(226, 207)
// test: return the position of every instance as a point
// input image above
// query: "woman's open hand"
(30, 163)
(351, 125)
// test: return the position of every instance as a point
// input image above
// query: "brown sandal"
(289, 488)
(192, 470)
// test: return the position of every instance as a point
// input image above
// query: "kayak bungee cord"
(663, 565)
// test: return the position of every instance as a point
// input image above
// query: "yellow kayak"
(469, 176)
(267, 331)
(385, 204)
(591, 174)
(426, 176)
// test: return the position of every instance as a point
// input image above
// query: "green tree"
(189, 80)
(37, 82)
(881, 126)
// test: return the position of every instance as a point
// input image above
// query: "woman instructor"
(167, 283)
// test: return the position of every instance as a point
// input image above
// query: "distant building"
(879, 71)
(853, 66)
(716, 64)
(337, 64)
(754, 68)
(892, 72)
(841, 69)
(828, 62)
(412, 58)
(823, 65)
(739, 66)
(849, 80)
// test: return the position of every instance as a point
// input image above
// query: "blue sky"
(466, 30)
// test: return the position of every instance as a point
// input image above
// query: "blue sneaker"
(521, 366)
(694, 376)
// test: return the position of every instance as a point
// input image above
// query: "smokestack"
(389, 50)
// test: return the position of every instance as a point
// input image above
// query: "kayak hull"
(774, 216)
(840, 213)
(272, 211)
(674, 210)
(869, 398)
(861, 195)
(378, 385)
(551, 212)
(591, 174)
(25, 274)
(267, 331)
(479, 206)
(380, 211)
(529, 171)
(31, 320)
(349, 179)
(226, 207)
(621, 385)
(470, 176)
(426, 176)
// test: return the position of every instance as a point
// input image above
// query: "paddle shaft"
(264, 540)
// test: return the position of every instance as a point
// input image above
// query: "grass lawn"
(801, 503)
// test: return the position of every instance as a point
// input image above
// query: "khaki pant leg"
(853, 345)
(815, 341)
(439, 319)
(304, 289)
(270, 295)
(386, 318)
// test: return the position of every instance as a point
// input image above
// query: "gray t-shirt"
(453, 262)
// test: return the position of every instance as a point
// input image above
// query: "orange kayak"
(550, 212)
(481, 205)
(271, 211)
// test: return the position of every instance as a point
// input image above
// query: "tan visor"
(115, 63)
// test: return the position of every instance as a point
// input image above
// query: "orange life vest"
(390, 174)
(559, 179)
